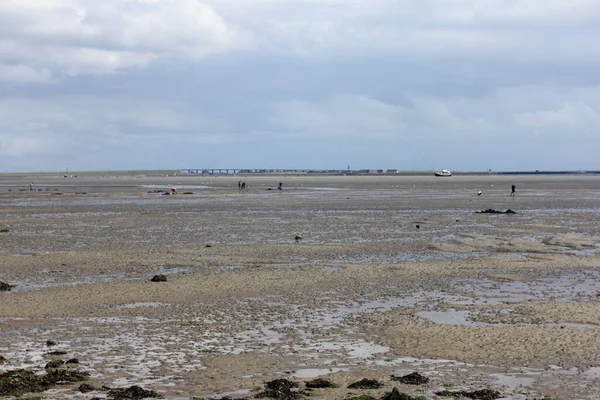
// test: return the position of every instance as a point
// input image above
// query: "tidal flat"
(335, 277)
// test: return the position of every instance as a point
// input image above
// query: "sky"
(465, 85)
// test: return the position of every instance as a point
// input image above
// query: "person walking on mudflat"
(513, 189)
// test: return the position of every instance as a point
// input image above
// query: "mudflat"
(338, 277)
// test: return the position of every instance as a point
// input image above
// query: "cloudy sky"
(407, 84)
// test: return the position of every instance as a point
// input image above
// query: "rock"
(2, 360)
(411, 379)
(208, 245)
(319, 383)
(298, 238)
(50, 343)
(133, 392)
(5, 287)
(159, 278)
(54, 364)
(72, 361)
(484, 394)
(188, 192)
(86, 388)
(366, 384)
(4, 230)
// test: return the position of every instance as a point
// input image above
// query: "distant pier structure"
(233, 171)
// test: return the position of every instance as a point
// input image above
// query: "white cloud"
(77, 37)
(360, 115)
(18, 74)
(570, 115)
(420, 27)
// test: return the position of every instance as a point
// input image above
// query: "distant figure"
(479, 193)
(243, 185)
(513, 190)
(240, 185)
(30, 185)
(280, 186)
(173, 190)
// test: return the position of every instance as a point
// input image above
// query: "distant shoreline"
(222, 173)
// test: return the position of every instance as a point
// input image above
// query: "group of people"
(242, 186)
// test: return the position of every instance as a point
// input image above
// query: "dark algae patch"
(133, 392)
(484, 394)
(395, 394)
(21, 381)
(366, 384)
(281, 389)
(411, 379)
(320, 383)
(5, 287)
(363, 397)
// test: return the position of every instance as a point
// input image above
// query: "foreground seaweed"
(366, 384)
(395, 394)
(320, 383)
(280, 389)
(411, 379)
(21, 381)
(484, 394)
(133, 392)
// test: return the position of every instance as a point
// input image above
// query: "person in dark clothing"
(280, 186)
(513, 189)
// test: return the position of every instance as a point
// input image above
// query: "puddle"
(135, 305)
(411, 257)
(593, 372)
(309, 373)
(233, 394)
(179, 187)
(461, 318)
(332, 269)
(513, 382)
(166, 270)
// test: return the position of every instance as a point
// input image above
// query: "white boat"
(443, 172)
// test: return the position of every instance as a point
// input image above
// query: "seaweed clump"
(395, 394)
(483, 394)
(320, 383)
(411, 379)
(280, 389)
(21, 381)
(132, 392)
(366, 384)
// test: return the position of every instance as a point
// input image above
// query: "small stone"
(159, 278)
(50, 343)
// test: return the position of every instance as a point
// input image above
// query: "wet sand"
(472, 301)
